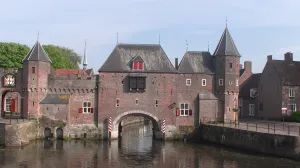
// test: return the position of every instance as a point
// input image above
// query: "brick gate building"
(136, 79)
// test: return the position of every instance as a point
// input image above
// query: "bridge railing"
(282, 128)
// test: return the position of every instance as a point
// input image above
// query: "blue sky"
(259, 28)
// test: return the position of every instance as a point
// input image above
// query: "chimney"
(176, 63)
(288, 57)
(269, 57)
(248, 66)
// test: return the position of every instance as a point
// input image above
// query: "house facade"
(278, 88)
(135, 80)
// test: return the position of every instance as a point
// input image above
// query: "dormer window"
(138, 66)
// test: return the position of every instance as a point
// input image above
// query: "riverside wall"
(272, 144)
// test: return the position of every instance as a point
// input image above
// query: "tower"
(85, 58)
(36, 68)
(227, 62)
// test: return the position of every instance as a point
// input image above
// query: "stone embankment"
(248, 140)
(18, 134)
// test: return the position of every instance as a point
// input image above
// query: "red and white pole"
(163, 129)
(109, 127)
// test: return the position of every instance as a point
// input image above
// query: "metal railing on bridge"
(270, 127)
(17, 116)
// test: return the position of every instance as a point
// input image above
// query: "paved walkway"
(272, 127)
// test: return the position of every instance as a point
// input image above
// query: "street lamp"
(283, 109)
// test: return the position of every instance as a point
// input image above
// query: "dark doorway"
(59, 133)
(47, 133)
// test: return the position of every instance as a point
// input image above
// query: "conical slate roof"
(37, 53)
(226, 45)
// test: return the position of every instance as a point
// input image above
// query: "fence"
(282, 128)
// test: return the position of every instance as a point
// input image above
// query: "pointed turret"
(226, 45)
(85, 58)
(37, 53)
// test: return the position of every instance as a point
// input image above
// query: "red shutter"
(80, 110)
(13, 105)
(190, 112)
(141, 66)
(135, 65)
(92, 110)
(178, 112)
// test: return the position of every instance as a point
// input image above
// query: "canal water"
(136, 149)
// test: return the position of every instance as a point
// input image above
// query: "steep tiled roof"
(37, 53)
(89, 72)
(289, 72)
(56, 99)
(196, 62)
(71, 72)
(226, 45)
(154, 57)
(251, 82)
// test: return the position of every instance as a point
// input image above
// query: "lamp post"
(283, 109)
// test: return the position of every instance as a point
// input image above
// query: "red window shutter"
(13, 105)
(178, 112)
(190, 112)
(80, 110)
(92, 110)
(135, 65)
(33, 70)
(141, 66)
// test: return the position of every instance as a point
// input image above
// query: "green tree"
(12, 54)
(62, 57)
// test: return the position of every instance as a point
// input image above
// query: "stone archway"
(47, 133)
(11, 104)
(155, 121)
(59, 133)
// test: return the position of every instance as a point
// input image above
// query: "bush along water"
(294, 117)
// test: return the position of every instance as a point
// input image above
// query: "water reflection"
(136, 149)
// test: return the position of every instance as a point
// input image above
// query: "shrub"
(295, 117)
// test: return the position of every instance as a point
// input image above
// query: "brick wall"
(165, 88)
(160, 87)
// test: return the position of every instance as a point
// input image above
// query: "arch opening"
(11, 105)
(59, 133)
(47, 133)
(148, 118)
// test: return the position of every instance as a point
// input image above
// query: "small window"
(156, 103)
(184, 109)
(203, 82)
(136, 101)
(237, 82)
(118, 103)
(292, 108)
(33, 70)
(220, 82)
(230, 82)
(251, 109)
(138, 66)
(8, 103)
(86, 107)
(188, 82)
(291, 93)
(230, 65)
